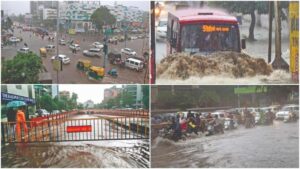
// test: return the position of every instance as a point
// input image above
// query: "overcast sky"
(87, 92)
(22, 7)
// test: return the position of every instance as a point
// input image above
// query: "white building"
(49, 13)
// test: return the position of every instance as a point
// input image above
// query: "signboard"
(213, 28)
(250, 90)
(72, 31)
(57, 65)
(77, 129)
(11, 97)
(294, 39)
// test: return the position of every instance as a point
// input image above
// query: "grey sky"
(87, 92)
(22, 7)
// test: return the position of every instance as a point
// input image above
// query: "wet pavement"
(274, 146)
(88, 154)
(70, 74)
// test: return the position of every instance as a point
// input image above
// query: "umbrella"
(16, 104)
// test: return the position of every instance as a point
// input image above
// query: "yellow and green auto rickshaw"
(96, 72)
(43, 52)
(83, 65)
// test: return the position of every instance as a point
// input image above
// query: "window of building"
(19, 87)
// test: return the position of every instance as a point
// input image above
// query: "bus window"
(198, 38)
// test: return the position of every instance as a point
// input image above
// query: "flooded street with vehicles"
(260, 147)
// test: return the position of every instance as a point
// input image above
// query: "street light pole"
(57, 32)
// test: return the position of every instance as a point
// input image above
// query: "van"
(134, 64)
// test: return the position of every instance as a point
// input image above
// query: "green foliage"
(102, 16)
(209, 98)
(125, 99)
(23, 68)
(145, 90)
(6, 24)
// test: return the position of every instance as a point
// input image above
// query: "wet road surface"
(263, 146)
(88, 154)
(70, 74)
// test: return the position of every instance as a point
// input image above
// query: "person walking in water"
(21, 123)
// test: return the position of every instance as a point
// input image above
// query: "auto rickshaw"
(83, 65)
(113, 72)
(43, 52)
(96, 72)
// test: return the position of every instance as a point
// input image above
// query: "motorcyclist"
(219, 125)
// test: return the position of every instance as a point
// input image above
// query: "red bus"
(202, 31)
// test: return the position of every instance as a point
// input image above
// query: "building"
(65, 94)
(111, 93)
(88, 104)
(55, 90)
(49, 13)
(20, 92)
(137, 93)
(37, 8)
(77, 15)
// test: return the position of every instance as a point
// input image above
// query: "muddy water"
(88, 154)
(79, 154)
(262, 146)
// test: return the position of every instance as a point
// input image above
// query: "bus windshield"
(208, 38)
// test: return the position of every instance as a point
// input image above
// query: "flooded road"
(80, 154)
(262, 146)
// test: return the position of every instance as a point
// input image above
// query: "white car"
(24, 50)
(161, 29)
(285, 112)
(92, 52)
(62, 42)
(128, 51)
(14, 39)
(74, 46)
(133, 38)
(63, 58)
(50, 47)
(98, 45)
(55, 112)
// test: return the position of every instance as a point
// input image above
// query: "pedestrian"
(25, 44)
(21, 123)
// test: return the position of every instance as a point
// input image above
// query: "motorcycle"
(290, 118)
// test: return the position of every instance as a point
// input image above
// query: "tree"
(46, 102)
(145, 90)
(23, 68)
(102, 16)
(249, 7)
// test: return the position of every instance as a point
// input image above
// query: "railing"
(127, 113)
(63, 129)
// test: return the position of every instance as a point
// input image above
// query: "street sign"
(57, 65)
(76, 129)
(294, 39)
(108, 31)
(250, 90)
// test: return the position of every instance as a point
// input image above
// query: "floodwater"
(274, 146)
(132, 153)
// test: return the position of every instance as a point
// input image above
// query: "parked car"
(161, 29)
(24, 50)
(42, 112)
(63, 58)
(286, 111)
(74, 46)
(92, 52)
(98, 45)
(50, 47)
(62, 42)
(128, 51)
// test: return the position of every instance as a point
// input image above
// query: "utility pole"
(270, 31)
(57, 52)
(279, 62)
